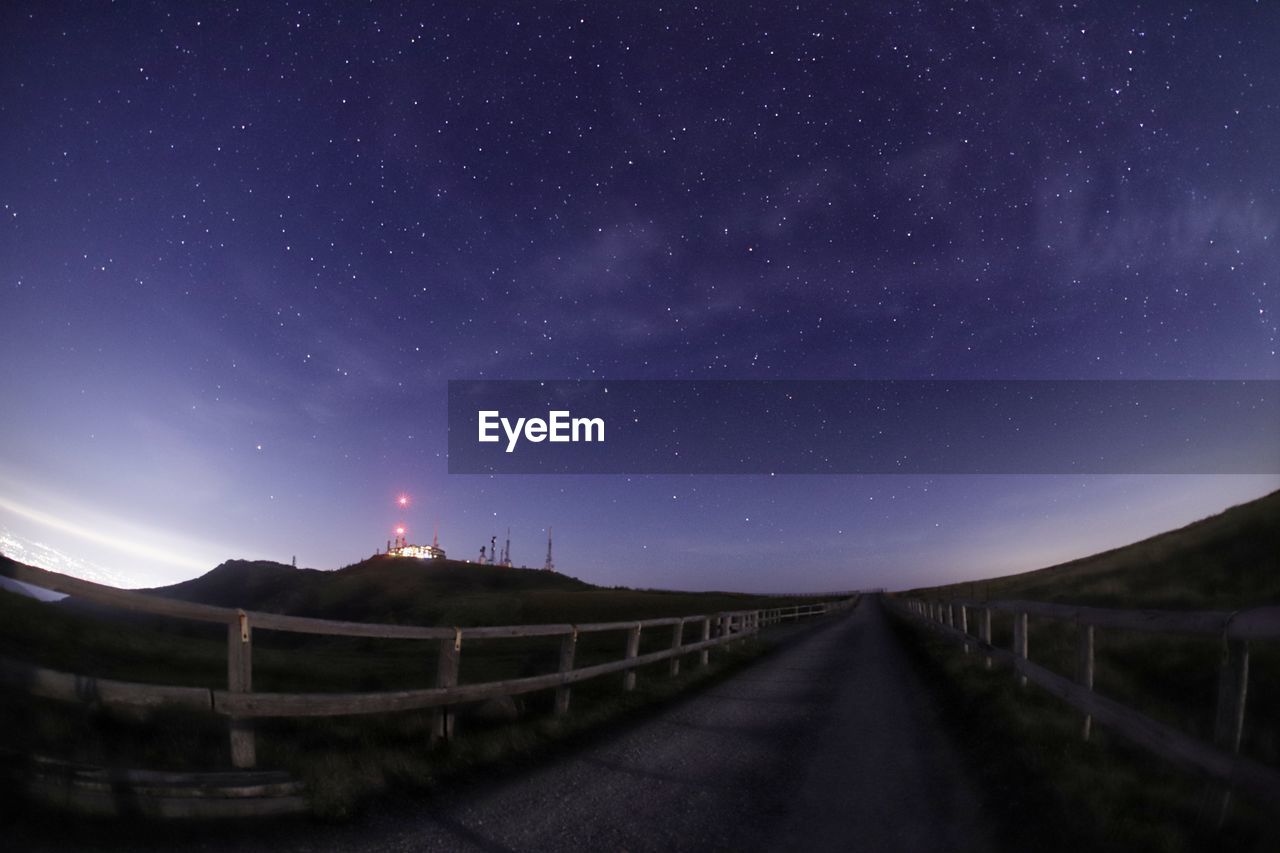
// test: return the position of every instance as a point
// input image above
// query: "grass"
(346, 761)
(1226, 562)
(1051, 791)
(1132, 800)
(370, 760)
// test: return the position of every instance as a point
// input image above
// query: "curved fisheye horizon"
(883, 399)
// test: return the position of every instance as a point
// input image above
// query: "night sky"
(242, 251)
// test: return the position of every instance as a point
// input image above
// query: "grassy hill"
(1227, 561)
(439, 592)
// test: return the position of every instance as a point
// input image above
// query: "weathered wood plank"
(1233, 690)
(240, 680)
(334, 704)
(448, 661)
(1151, 621)
(633, 649)
(1258, 623)
(336, 628)
(1159, 738)
(219, 783)
(105, 692)
(1020, 641)
(568, 649)
(1084, 671)
(677, 633)
(984, 634)
(90, 790)
(1228, 728)
(495, 632)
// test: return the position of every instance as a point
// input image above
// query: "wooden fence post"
(1084, 672)
(240, 680)
(724, 627)
(964, 627)
(568, 648)
(633, 649)
(677, 636)
(1233, 690)
(984, 633)
(447, 662)
(704, 660)
(1020, 641)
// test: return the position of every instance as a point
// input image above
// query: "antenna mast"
(550, 566)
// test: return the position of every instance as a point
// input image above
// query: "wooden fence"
(959, 619)
(240, 703)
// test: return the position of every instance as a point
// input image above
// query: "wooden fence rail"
(1220, 760)
(241, 704)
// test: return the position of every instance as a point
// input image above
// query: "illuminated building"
(401, 548)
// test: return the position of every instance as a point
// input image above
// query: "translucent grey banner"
(864, 427)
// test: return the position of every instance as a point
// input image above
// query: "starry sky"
(244, 249)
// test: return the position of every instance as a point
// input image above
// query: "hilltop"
(1227, 561)
(437, 592)
(385, 589)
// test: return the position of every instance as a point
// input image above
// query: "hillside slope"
(1226, 561)
(441, 592)
(380, 589)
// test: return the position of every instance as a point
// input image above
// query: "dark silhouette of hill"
(1226, 561)
(424, 592)
(383, 589)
